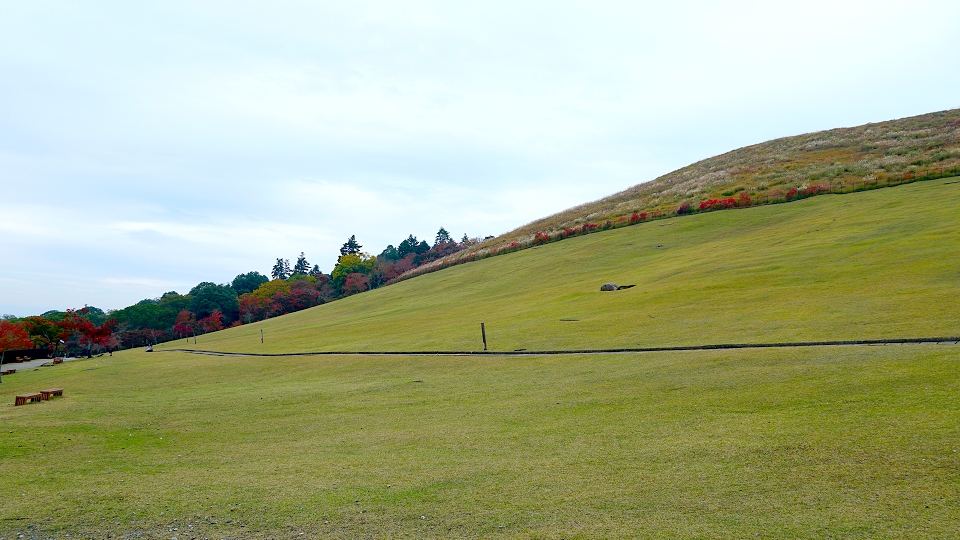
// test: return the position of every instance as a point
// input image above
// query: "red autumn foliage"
(717, 204)
(540, 238)
(212, 322)
(743, 200)
(13, 337)
(792, 194)
(815, 190)
(355, 283)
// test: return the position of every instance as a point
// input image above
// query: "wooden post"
(483, 333)
(261, 335)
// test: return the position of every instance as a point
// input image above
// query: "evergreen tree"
(281, 270)
(245, 283)
(465, 239)
(407, 246)
(302, 266)
(389, 253)
(316, 271)
(443, 237)
(350, 247)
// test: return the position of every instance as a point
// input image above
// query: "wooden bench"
(46, 394)
(8, 372)
(23, 398)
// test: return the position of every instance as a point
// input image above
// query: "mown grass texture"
(850, 442)
(870, 265)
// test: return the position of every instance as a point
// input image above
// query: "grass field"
(848, 442)
(868, 265)
(842, 442)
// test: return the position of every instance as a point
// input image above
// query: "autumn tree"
(355, 283)
(44, 332)
(13, 337)
(351, 264)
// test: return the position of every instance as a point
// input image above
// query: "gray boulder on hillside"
(609, 287)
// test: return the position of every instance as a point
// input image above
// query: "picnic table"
(45, 394)
(23, 398)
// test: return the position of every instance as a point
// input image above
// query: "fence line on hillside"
(713, 347)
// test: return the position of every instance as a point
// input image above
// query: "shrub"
(684, 209)
(743, 200)
(792, 194)
(540, 238)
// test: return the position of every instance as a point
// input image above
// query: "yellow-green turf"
(869, 265)
(844, 442)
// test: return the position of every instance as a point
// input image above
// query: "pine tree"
(302, 266)
(281, 270)
(350, 247)
(316, 271)
(443, 237)
(465, 239)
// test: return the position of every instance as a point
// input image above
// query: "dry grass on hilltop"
(880, 154)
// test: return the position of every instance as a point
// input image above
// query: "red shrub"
(212, 322)
(589, 227)
(744, 199)
(355, 283)
(792, 194)
(540, 238)
(684, 209)
(815, 190)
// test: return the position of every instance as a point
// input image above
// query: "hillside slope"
(867, 265)
(848, 156)
(836, 161)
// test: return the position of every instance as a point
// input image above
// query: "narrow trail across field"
(524, 352)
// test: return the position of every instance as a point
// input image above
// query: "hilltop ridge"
(837, 160)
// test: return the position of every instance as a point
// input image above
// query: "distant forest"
(209, 306)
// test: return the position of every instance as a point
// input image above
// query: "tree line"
(209, 306)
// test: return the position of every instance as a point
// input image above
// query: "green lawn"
(846, 442)
(868, 265)
(851, 442)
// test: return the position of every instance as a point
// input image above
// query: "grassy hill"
(868, 265)
(841, 160)
(850, 442)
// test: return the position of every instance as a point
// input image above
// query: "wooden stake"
(483, 333)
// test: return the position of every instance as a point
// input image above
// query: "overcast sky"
(145, 147)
